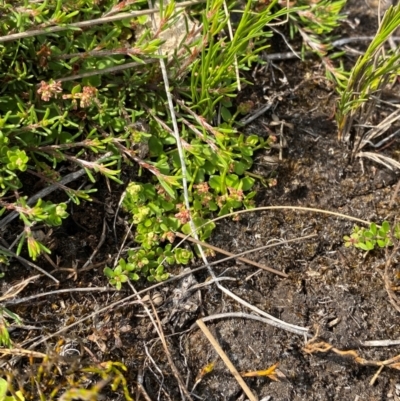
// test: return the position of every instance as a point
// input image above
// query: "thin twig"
(45, 294)
(264, 208)
(381, 159)
(336, 43)
(248, 119)
(314, 346)
(16, 289)
(345, 41)
(108, 70)
(287, 42)
(380, 343)
(21, 259)
(100, 243)
(245, 260)
(226, 360)
(159, 370)
(143, 392)
(22, 352)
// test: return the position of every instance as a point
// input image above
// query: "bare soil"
(339, 294)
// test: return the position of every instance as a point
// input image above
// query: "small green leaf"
(215, 182)
(247, 183)
(167, 187)
(239, 168)
(76, 89)
(382, 243)
(197, 205)
(133, 276)
(385, 226)
(155, 145)
(367, 246)
(105, 63)
(226, 114)
(232, 180)
(373, 229)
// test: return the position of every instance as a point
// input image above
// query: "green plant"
(315, 22)
(374, 236)
(373, 71)
(4, 335)
(52, 383)
(83, 94)
(112, 375)
(3, 391)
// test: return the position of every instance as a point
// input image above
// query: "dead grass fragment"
(316, 346)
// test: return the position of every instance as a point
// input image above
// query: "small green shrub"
(370, 238)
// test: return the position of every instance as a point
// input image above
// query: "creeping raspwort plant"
(368, 239)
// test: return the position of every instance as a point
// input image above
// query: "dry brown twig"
(272, 321)
(17, 288)
(226, 360)
(22, 352)
(27, 262)
(315, 346)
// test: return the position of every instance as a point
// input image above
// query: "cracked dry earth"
(336, 292)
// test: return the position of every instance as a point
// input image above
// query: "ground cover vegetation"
(98, 88)
(71, 96)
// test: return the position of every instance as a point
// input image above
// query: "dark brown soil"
(337, 293)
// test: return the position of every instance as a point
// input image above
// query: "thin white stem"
(45, 294)
(380, 343)
(272, 321)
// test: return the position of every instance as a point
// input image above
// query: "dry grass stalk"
(226, 360)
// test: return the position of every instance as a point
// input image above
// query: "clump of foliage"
(46, 380)
(81, 87)
(315, 22)
(372, 237)
(373, 72)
